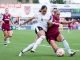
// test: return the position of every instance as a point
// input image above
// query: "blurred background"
(37, 1)
(21, 10)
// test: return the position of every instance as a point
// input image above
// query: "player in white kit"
(40, 28)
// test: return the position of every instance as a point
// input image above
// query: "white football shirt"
(42, 20)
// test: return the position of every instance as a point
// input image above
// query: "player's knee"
(9, 35)
(43, 37)
(59, 40)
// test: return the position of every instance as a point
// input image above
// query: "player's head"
(57, 13)
(6, 10)
(54, 10)
(43, 10)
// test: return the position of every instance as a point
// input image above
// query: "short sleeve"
(51, 18)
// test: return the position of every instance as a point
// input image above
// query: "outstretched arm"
(50, 23)
(30, 19)
(66, 22)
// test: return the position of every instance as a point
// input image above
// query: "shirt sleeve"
(51, 18)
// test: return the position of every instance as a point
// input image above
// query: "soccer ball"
(60, 52)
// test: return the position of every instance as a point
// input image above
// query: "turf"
(21, 39)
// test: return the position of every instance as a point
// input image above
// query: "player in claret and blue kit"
(6, 23)
(53, 34)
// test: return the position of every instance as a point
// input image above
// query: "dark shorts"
(52, 36)
(37, 29)
(6, 27)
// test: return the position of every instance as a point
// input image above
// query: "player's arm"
(66, 22)
(11, 22)
(30, 19)
(49, 23)
(52, 23)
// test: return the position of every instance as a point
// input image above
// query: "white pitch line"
(42, 45)
(46, 46)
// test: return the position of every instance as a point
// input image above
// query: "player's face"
(57, 14)
(6, 10)
(53, 11)
(44, 11)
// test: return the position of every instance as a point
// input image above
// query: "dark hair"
(43, 7)
(54, 8)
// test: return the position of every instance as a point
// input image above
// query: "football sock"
(8, 38)
(28, 48)
(66, 46)
(38, 42)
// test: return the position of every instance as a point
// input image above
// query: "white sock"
(66, 46)
(8, 38)
(38, 42)
(5, 41)
(28, 48)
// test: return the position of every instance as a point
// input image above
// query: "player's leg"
(51, 40)
(28, 48)
(41, 35)
(10, 33)
(5, 37)
(60, 38)
(53, 45)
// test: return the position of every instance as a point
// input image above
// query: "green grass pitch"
(21, 39)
